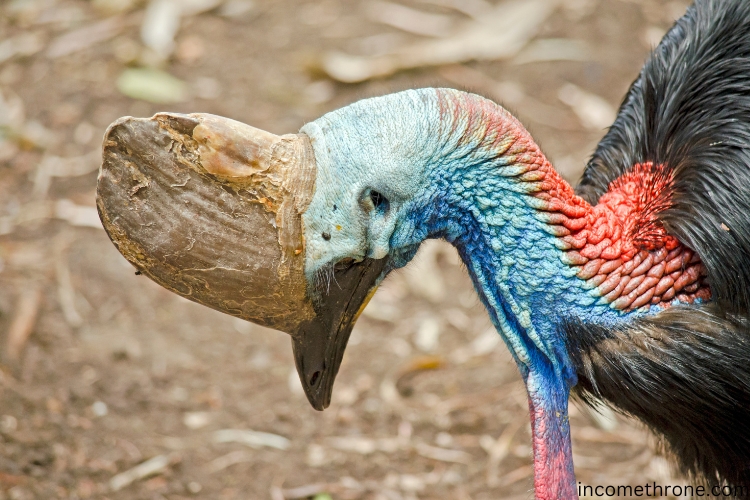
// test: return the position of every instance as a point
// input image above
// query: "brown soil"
(117, 370)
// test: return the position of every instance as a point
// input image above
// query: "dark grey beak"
(320, 343)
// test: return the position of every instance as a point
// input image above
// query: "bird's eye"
(379, 201)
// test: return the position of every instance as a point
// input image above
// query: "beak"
(211, 209)
(319, 348)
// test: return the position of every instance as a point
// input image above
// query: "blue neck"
(512, 259)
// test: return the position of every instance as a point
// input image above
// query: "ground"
(103, 370)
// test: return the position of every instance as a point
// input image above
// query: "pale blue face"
(374, 159)
(395, 170)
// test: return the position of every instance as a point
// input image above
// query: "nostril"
(326, 236)
(314, 379)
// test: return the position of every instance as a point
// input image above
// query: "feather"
(685, 373)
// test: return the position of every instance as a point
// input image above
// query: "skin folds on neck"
(538, 254)
(456, 166)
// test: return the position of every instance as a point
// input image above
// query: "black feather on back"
(689, 110)
(686, 374)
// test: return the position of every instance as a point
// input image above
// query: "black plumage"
(686, 371)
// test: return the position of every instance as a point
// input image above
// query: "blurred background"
(111, 387)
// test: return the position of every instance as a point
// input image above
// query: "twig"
(232, 458)
(23, 322)
(150, 467)
(65, 291)
(443, 454)
(253, 439)
(500, 450)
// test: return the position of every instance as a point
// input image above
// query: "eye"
(379, 201)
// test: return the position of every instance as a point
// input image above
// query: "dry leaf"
(152, 85)
(500, 34)
(594, 111)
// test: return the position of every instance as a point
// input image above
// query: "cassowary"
(632, 290)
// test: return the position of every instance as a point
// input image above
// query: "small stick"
(305, 491)
(150, 467)
(65, 291)
(23, 322)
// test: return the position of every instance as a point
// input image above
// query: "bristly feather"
(651, 187)
(686, 374)
(689, 111)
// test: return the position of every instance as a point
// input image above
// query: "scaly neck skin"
(460, 167)
(528, 289)
(494, 196)
(487, 197)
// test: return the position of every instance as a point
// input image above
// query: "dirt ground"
(103, 370)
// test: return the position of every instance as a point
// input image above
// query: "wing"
(685, 373)
(689, 113)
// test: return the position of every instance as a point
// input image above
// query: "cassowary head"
(296, 232)
(398, 169)
(640, 299)
(388, 173)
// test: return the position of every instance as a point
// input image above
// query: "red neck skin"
(622, 250)
(619, 246)
(619, 250)
(554, 476)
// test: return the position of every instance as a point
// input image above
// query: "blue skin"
(439, 185)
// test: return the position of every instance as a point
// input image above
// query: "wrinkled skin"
(396, 170)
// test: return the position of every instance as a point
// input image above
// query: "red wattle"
(620, 246)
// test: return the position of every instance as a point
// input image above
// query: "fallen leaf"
(500, 34)
(152, 85)
(253, 439)
(594, 111)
